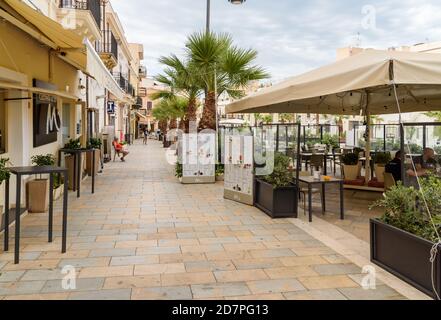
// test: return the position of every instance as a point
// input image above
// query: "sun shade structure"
(68, 44)
(357, 85)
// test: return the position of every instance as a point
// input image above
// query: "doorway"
(66, 123)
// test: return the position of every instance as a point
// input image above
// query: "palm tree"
(221, 68)
(180, 77)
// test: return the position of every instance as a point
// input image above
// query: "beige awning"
(67, 43)
(352, 85)
(62, 94)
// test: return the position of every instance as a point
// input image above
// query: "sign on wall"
(111, 107)
(239, 169)
(198, 158)
(46, 119)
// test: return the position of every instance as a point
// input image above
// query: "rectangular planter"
(37, 195)
(89, 158)
(405, 256)
(277, 203)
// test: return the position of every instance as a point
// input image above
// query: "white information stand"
(239, 169)
(198, 158)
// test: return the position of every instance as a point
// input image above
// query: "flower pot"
(379, 172)
(406, 256)
(351, 172)
(37, 195)
(89, 159)
(220, 177)
(277, 203)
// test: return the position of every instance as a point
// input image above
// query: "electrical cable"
(434, 250)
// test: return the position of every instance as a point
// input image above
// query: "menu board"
(198, 158)
(239, 169)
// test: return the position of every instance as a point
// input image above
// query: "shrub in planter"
(276, 194)
(351, 166)
(220, 169)
(94, 143)
(37, 190)
(381, 159)
(403, 238)
(178, 170)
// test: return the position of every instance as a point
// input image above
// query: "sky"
(291, 36)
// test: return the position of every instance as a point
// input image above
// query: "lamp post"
(209, 10)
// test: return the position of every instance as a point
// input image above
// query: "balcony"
(142, 92)
(122, 80)
(142, 72)
(107, 48)
(138, 104)
(83, 16)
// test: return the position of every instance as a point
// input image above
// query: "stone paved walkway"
(145, 236)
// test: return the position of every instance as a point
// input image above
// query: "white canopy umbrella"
(370, 83)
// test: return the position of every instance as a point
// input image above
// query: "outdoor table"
(28, 171)
(77, 153)
(311, 181)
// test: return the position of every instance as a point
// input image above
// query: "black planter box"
(277, 203)
(166, 143)
(406, 256)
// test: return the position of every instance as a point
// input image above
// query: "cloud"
(291, 36)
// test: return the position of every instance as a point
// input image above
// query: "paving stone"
(380, 293)
(326, 294)
(334, 269)
(262, 263)
(290, 272)
(179, 279)
(85, 262)
(219, 290)
(133, 282)
(327, 282)
(80, 285)
(22, 287)
(163, 293)
(302, 261)
(118, 294)
(11, 276)
(272, 253)
(275, 286)
(134, 260)
(240, 275)
(203, 266)
(114, 252)
(159, 269)
(98, 272)
(157, 250)
(49, 274)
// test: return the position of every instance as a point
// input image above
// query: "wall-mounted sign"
(239, 169)
(47, 121)
(111, 107)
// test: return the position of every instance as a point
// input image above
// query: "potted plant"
(178, 171)
(37, 189)
(351, 166)
(403, 239)
(277, 194)
(73, 144)
(4, 175)
(95, 144)
(381, 159)
(220, 169)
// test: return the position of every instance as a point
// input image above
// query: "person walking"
(146, 136)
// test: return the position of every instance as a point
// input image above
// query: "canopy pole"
(368, 141)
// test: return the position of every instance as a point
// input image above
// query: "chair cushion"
(360, 181)
(374, 183)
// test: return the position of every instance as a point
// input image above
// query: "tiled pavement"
(145, 236)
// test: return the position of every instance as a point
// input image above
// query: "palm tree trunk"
(208, 120)
(173, 124)
(191, 114)
(163, 126)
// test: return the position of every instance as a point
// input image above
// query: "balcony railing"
(142, 92)
(122, 80)
(108, 44)
(94, 6)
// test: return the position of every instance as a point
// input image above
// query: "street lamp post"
(209, 10)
